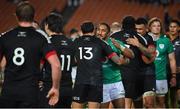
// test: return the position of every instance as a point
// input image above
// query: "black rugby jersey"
(23, 49)
(65, 51)
(176, 44)
(136, 63)
(89, 51)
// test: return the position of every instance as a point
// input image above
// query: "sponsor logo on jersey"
(63, 42)
(161, 46)
(21, 34)
(87, 38)
(127, 35)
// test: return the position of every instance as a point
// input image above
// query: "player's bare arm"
(126, 51)
(172, 62)
(53, 94)
(119, 60)
(148, 52)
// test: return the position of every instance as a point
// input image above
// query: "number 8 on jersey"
(18, 58)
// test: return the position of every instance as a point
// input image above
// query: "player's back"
(23, 48)
(65, 51)
(136, 62)
(89, 52)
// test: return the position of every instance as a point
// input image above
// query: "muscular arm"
(126, 51)
(56, 70)
(119, 60)
(53, 94)
(148, 52)
(172, 62)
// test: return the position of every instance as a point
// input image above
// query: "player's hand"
(133, 41)
(53, 96)
(173, 82)
(124, 60)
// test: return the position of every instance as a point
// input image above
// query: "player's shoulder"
(165, 38)
(9, 31)
(148, 36)
(64, 39)
(37, 34)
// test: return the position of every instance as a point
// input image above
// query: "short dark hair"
(87, 27)
(141, 20)
(25, 12)
(128, 23)
(55, 23)
(175, 21)
(107, 26)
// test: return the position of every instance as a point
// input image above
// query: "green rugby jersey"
(111, 71)
(163, 48)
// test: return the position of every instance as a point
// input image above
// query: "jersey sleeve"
(107, 49)
(121, 44)
(150, 41)
(48, 49)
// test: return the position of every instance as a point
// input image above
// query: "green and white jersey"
(111, 71)
(163, 48)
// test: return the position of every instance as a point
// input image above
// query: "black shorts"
(130, 90)
(130, 81)
(149, 79)
(87, 93)
(149, 83)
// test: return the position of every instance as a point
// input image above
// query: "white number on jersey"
(157, 53)
(18, 58)
(63, 62)
(88, 53)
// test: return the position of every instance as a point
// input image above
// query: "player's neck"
(173, 36)
(25, 24)
(157, 35)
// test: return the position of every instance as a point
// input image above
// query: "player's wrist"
(122, 48)
(173, 75)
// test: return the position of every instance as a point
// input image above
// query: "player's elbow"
(56, 65)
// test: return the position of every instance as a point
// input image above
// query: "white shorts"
(161, 87)
(113, 91)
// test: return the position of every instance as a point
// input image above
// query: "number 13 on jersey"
(88, 53)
